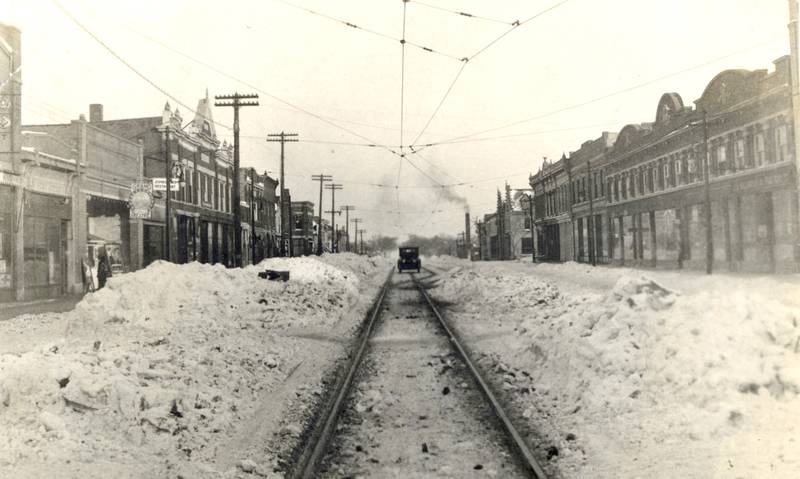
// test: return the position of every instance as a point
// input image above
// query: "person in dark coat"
(103, 267)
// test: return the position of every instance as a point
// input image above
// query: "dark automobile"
(409, 259)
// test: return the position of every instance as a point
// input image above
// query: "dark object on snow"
(425, 447)
(552, 452)
(478, 467)
(273, 275)
(409, 259)
(445, 391)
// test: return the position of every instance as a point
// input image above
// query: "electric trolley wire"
(463, 14)
(466, 60)
(370, 142)
(128, 64)
(596, 99)
(515, 25)
(402, 102)
(374, 32)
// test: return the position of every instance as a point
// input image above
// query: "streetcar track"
(322, 434)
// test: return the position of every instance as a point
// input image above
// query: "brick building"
(648, 190)
(258, 210)
(303, 231)
(201, 218)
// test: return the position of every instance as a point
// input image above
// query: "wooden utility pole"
(167, 194)
(322, 178)
(333, 187)
(236, 101)
(347, 209)
(590, 230)
(707, 194)
(252, 216)
(356, 221)
(361, 232)
(283, 138)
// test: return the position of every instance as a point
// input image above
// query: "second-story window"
(781, 143)
(759, 149)
(739, 154)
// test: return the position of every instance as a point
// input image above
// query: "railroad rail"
(324, 428)
(522, 449)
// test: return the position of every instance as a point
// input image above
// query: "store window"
(42, 251)
(629, 240)
(5, 252)
(645, 235)
(697, 229)
(667, 235)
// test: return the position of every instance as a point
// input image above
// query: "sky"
(574, 69)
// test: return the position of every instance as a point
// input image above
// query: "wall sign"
(141, 199)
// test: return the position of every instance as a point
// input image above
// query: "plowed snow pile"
(698, 380)
(151, 376)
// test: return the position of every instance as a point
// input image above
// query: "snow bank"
(643, 374)
(156, 371)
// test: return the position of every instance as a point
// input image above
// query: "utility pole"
(236, 101)
(252, 216)
(333, 187)
(590, 230)
(167, 212)
(347, 209)
(322, 178)
(362, 239)
(356, 221)
(283, 138)
(707, 192)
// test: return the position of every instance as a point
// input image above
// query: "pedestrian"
(103, 267)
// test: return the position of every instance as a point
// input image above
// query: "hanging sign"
(160, 184)
(141, 199)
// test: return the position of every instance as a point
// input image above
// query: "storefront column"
(137, 244)
(77, 243)
(19, 244)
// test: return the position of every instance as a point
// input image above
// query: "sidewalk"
(54, 305)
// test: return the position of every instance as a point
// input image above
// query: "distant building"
(303, 238)
(258, 209)
(201, 223)
(647, 189)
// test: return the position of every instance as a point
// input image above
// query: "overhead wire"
(466, 60)
(463, 14)
(402, 103)
(373, 32)
(275, 97)
(599, 98)
(128, 64)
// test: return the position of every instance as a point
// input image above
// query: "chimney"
(467, 241)
(95, 112)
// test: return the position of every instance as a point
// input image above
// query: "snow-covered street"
(176, 370)
(201, 371)
(642, 373)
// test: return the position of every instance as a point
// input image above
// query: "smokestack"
(95, 112)
(467, 242)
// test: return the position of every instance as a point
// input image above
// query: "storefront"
(46, 235)
(108, 227)
(6, 243)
